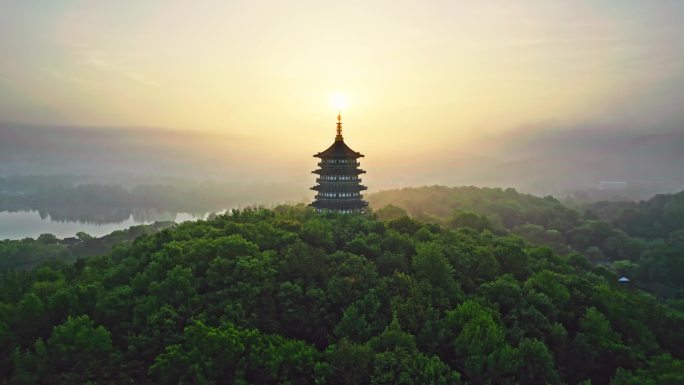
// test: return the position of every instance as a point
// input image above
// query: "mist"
(537, 159)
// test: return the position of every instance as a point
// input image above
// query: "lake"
(31, 223)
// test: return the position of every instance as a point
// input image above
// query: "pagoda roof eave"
(338, 149)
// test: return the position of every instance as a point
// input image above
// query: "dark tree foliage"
(662, 214)
(289, 296)
(28, 253)
(643, 241)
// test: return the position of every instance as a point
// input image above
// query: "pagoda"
(338, 183)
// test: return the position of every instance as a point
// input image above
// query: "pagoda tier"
(338, 184)
(342, 171)
(334, 191)
(345, 206)
(342, 187)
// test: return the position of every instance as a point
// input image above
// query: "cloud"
(64, 77)
(570, 41)
(99, 60)
(82, 32)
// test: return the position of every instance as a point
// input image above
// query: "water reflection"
(104, 215)
(154, 215)
(66, 221)
(85, 215)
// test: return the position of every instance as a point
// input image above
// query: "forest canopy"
(641, 240)
(294, 297)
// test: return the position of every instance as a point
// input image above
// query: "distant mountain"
(559, 162)
(33, 149)
(540, 160)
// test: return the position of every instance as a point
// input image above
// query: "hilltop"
(287, 295)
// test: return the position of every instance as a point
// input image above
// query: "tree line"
(294, 297)
(643, 241)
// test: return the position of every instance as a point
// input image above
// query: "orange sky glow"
(430, 77)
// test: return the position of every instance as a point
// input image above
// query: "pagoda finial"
(339, 126)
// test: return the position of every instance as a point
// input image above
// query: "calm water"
(22, 224)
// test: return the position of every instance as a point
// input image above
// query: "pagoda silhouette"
(338, 184)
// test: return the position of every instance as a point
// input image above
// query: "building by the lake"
(338, 184)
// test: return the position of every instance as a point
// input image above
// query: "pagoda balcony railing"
(357, 171)
(339, 199)
(359, 188)
(341, 181)
(353, 164)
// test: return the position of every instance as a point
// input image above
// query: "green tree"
(535, 365)
(429, 263)
(390, 213)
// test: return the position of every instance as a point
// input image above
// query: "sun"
(338, 100)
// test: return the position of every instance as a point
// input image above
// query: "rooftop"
(339, 149)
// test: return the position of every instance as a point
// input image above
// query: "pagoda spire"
(339, 126)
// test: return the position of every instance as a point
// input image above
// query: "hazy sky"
(420, 76)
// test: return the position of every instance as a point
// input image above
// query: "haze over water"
(31, 224)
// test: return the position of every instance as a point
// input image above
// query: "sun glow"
(338, 100)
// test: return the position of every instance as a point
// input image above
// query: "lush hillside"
(100, 200)
(505, 208)
(292, 297)
(27, 253)
(659, 217)
(641, 240)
